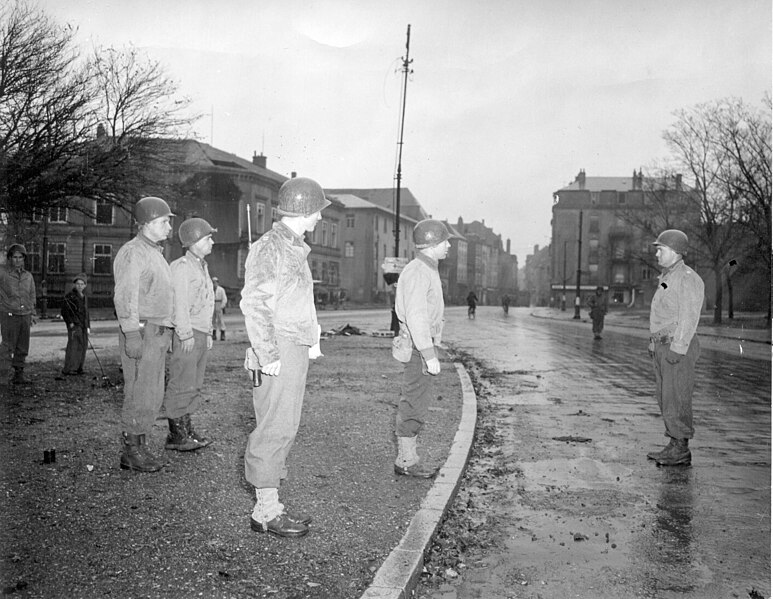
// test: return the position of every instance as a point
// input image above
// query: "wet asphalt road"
(593, 518)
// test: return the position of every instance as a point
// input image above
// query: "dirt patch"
(81, 527)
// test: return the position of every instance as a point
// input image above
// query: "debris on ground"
(573, 439)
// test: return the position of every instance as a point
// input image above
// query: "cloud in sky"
(507, 101)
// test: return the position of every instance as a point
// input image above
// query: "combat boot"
(18, 376)
(654, 455)
(214, 335)
(134, 458)
(197, 438)
(407, 462)
(676, 455)
(178, 438)
(222, 335)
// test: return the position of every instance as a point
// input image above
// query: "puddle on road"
(579, 473)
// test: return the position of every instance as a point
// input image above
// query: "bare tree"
(74, 129)
(694, 139)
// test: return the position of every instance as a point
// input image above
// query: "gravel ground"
(81, 527)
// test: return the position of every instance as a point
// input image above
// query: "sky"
(507, 99)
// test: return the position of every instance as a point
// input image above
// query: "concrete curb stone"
(399, 574)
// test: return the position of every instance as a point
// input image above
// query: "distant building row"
(239, 198)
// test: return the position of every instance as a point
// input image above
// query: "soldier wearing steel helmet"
(143, 301)
(17, 315)
(281, 322)
(194, 301)
(674, 316)
(419, 307)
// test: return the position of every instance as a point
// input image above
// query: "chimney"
(580, 178)
(508, 246)
(293, 175)
(259, 160)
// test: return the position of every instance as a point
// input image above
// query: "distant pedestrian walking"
(221, 301)
(419, 307)
(281, 322)
(506, 303)
(674, 316)
(17, 315)
(75, 313)
(472, 303)
(597, 304)
(191, 342)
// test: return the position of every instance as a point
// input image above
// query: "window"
(593, 251)
(334, 277)
(619, 250)
(274, 214)
(315, 270)
(33, 256)
(103, 212)
(260, 217)
(618, 274)
(56, 257)
(621, 197)
(324, 233)
(103, 258)
(646, 273)
(385, 225)
(593, 225)
(334, 235)
(350, 221)
(594, 197)
(313, 235)
(57, 214)
(349, 249)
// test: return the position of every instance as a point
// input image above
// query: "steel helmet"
(149, 209)
(194, 229)
(674, 239)
(16, 247)
(430, 232)
(301, 197)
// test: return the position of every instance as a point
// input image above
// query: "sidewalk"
(83, 527)
(639, 319)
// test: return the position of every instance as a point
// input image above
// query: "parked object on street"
(143, 301)
(17, 315)
(674, 316)
(194, 301)
(597, 305)
(419, 308)
(281, 322)
(221, 302)
(75, 313)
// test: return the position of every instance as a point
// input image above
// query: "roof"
(353, 202)
(601, 184)
(203, 155)
(385, 197)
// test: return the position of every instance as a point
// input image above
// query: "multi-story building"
(367, 235)
(592, 216)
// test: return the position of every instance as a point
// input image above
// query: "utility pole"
(579, 271)
(406, 69)
(563, 293)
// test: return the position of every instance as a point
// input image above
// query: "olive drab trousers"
(674, 387)
(278, 403)
(415, 396)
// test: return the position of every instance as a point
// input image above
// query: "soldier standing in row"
(193, 305)
(221, 301)
(419, 307)
(281, 321)
(143, 300)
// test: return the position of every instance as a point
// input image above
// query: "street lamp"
(579, 271)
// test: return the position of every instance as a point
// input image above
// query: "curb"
(398, 575)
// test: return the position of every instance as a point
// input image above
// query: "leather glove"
(133, 345)
(673, 358)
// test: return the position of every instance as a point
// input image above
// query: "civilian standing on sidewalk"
(419, 307)
(17, 315)
(281, 321)
(194, 301)
(221, 301)
(143, 304)
(674, 316)
(75, 312)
